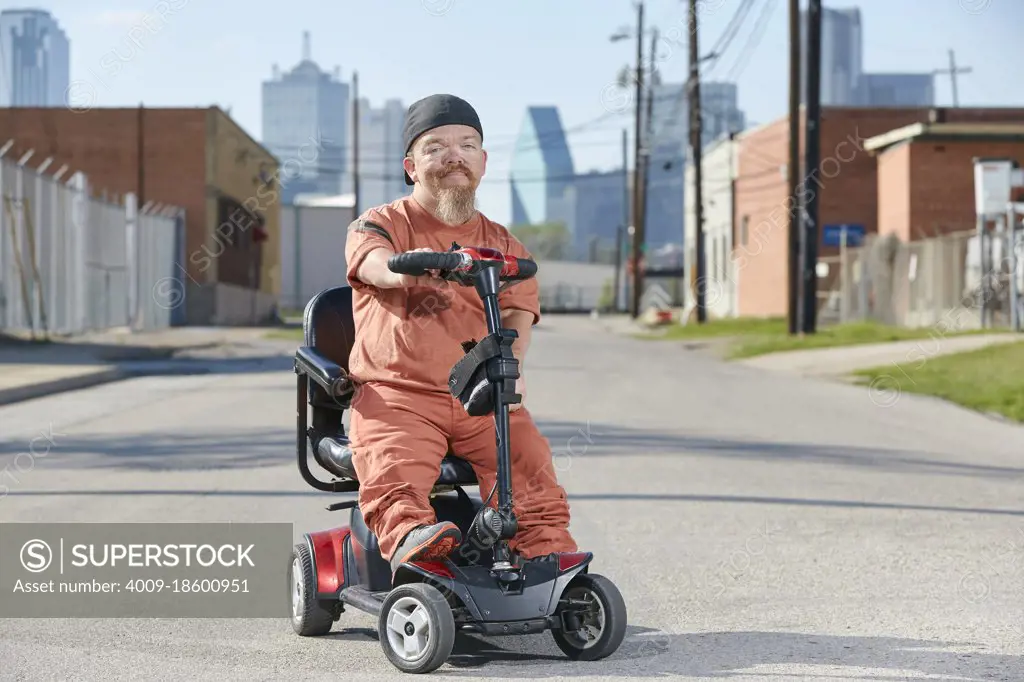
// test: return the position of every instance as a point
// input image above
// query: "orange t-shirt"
(412, 337)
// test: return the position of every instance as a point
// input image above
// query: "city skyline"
(129, 55)
(34, 59)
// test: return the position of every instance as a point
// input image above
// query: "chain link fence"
(71, 264)
(957, 280)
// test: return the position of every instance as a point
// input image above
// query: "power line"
(486, 179)
(737, 19)
(397, 157)
(729, 33)
(753, 40)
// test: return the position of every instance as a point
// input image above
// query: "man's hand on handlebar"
(431, 279)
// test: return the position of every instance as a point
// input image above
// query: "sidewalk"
(34, 369)
(840, 361)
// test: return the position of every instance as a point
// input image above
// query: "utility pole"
(638, 221)
(647, 148)
(140, 181)
(696, 134)
(812, 153)
(355, 141)
(953, 70)
(793, 167)
(620, 233)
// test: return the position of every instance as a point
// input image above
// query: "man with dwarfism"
(409, 335)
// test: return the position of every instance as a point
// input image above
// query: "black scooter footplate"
(534, 595)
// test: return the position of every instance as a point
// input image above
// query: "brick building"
(195, 158)
(847, 185)
(926, 174)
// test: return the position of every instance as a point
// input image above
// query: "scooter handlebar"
(524, 268)
(418, 263)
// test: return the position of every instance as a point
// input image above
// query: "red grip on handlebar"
(513, 268)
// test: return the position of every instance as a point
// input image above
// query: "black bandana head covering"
(436, 111)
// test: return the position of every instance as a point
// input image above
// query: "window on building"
(238, 235)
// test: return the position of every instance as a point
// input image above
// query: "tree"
(549, 241)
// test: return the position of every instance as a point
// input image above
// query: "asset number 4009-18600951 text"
(206, 585)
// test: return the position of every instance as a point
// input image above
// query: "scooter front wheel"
(416, 628)
(593, 616)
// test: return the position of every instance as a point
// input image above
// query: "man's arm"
(374, 271)
(522, 322)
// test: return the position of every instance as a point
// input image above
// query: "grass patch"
(750, 337)
(987, 380)
(286, 334)
(851, 334)
(738, 326)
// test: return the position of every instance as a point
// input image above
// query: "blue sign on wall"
(832, 235)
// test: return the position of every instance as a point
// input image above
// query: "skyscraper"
(380, 154)
(842, 56)
(305, 125)
(35, 59)
(542, 171)
(720, 112)
(669, 139)
(843, 81)
(599, 205)
(898, 89)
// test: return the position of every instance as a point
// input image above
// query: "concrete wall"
(569, 285)
(312, 247)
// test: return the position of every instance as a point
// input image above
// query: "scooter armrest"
(328, 374)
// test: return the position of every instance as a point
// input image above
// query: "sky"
(504, 57)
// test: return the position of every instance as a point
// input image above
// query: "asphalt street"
(760, 526)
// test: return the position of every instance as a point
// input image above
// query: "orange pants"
(399, 437)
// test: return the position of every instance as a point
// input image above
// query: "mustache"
(456, 169)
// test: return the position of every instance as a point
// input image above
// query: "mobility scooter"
(477, 588)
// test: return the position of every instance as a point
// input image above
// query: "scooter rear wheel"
(416, 628)
(601, 612)
(309, 617)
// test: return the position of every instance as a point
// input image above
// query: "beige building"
(313, 234)
(720, 167)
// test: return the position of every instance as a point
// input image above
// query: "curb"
(46, 388)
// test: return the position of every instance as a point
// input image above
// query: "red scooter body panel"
(329, 557)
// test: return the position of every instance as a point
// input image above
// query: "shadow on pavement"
(650, 652)
(57, 352)
(15, 351)
(790, 501)
(235, 449)
(724, 499)
(164, 451)
(580, 439)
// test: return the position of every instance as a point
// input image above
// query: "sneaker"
(427, 542)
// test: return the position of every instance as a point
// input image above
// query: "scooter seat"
(335, 455)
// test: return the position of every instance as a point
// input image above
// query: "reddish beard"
(456, 204)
